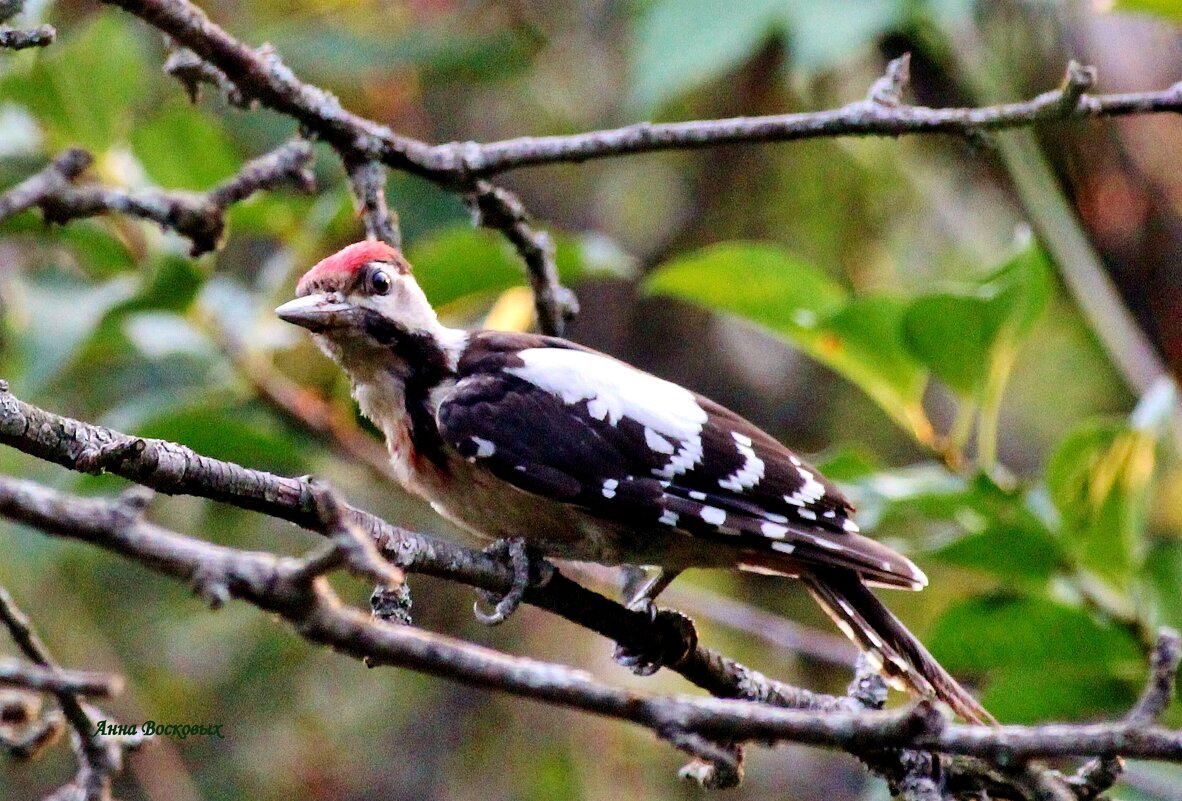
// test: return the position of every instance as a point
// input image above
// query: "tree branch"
(296, 590)
(18, 39)
(177, 470)
(99, 757)
(199, 217)
(47, 680)
(219, 573)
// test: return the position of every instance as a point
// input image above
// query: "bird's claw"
(673, 628)
(517, 554)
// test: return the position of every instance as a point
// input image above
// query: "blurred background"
(896, 309)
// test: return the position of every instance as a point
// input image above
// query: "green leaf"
(440, 53)
(1036, 694)
(1166, 9)
(1099, 479)
(1025, 551)
(1034, 651)
(950, 334)
(860, 338)
(761, 282)
(48, 335)
(959, 335)
(862, 342)
(1161, 583)
(85, 88)
(181, 147)
(459, 262)
(678, 45)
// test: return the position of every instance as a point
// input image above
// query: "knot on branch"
(348, 545)
(192, 71)
(868, 687)
(715, 766)
(95, 458)
(391, 604)
(887, 91)
(1076, 82)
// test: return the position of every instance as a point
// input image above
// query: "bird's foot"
(674, 637)
(528, 570)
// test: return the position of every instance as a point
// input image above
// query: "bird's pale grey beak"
(316, 312)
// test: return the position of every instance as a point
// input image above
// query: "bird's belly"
(476, 501)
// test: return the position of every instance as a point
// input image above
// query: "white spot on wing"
(484, 447)
(774, 530)
(669, 518)
(609, 487)
(783, 547)
(810, 491)
(697, 496)
(713, 515)
(850, 526)
(750, 473)
(807, 514)
(775, 518)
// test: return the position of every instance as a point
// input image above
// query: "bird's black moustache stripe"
(424, 367)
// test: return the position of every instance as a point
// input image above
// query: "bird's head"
(363, 306)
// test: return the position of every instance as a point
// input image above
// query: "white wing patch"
(673, 420)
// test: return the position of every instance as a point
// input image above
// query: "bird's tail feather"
(875, 629)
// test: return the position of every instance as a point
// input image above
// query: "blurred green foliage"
(968, 409)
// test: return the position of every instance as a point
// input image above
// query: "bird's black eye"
(379, 282)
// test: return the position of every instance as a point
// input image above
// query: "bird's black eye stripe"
(379, 281)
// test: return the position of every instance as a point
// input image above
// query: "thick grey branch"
(288, 588)
(261, 74)
(177, 470)
(284, 586)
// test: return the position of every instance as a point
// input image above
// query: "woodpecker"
(526, 438)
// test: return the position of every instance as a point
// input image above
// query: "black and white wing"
(574, 425)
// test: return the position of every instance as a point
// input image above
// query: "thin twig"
(75, 682)
(199, 217)
(99, 757)
(16, 38)
(368, 181)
